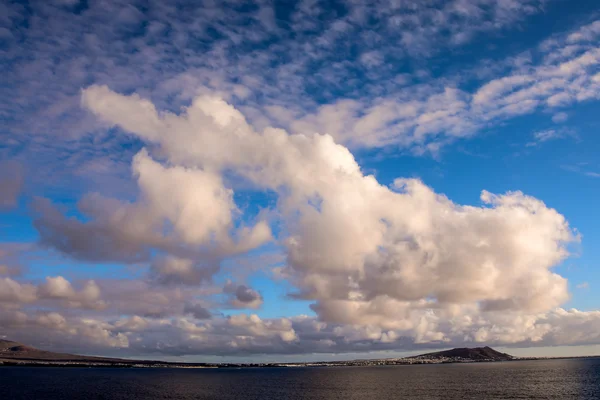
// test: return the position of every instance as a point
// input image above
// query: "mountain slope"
(475, 354)
(10, 350)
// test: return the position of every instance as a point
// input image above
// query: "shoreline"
(321, 364)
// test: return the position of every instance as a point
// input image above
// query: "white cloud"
(12, 291)
(243, 296)
(560, 117)
(247, 334)
(393, 267)
(583, 285)
(411, 116)
(196, 310)
(585, 33)
(11, 184)
(198, 210)
(399, 265)
(356, 245)
(310, 51)
(581, 169)
(175, 270)
(551, 134)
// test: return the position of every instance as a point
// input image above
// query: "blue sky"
(221, 180)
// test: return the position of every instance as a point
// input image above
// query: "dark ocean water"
(548, 379)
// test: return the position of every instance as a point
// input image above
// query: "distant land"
(473, 354)
(17, 354)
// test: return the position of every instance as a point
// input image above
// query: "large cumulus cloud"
(386, 267)
(353, 242)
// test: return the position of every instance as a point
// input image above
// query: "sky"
(311, 180)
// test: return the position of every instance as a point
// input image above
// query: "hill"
(15, 353)
(10, 350)
(473, 354)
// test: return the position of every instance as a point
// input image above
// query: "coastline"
(7, 362)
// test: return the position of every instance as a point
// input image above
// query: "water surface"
(543, 379)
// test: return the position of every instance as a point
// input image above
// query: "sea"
(537, 379)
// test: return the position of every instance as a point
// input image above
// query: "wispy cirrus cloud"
(304, 51)
(11, 184)
(560, 117)
(583, 285)
(547, 135)
(175, 50)
(583, 169)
